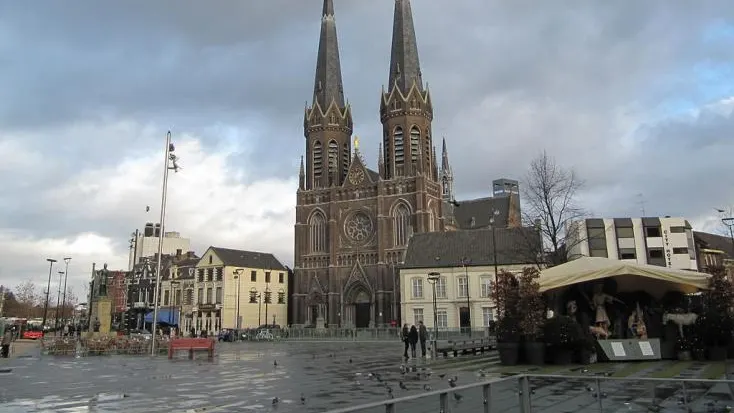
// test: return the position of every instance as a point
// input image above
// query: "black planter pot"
(562, 356)
(717, 353)
(509, 353)
(534, 352)
(667, 350)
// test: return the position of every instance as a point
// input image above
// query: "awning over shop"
(629, 276)
(165, 315)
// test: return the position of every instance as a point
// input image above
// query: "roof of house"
(447, 249)
(475, 213)
(714, 241)
(248, 259)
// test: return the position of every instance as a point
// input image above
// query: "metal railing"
(522, 395)
(377, 333)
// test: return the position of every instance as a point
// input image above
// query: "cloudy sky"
(636, 96)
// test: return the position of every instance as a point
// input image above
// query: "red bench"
(191, 344)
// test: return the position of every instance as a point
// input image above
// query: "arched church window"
(401, 222)
(397, 137)
(317, 162)
(415, 144)
(333, 160)
(427, 152)
(317, 232)
(346, 159)
(431, 220)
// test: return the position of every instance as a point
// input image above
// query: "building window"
(487, 316)
(333, 161)
(210, 259)
(397, 138)
(443, 318)
(463, 287)
(268, 297)
(281, 297)
(267, 277)
(401, 221)
(210, 274)
(417, 284)
(253, 276)
(317, 154)
(652, 232)
(209, 296)
(599, 253)
(625, 232)
(165, 297)
(219, 273)
(346, 161)
(680, 250)
(177, 298)
(219, 295)
(200, 296)
(657, 253)
(281, 278)
(200, 275)
(627, 254)
(317, 232)
(441, 288)
(189, 297)
(677, 230)
(486, 287)
(417, 315)
(253, 297)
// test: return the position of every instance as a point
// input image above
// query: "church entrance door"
(362, 315)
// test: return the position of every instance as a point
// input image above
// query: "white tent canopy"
(629, 276)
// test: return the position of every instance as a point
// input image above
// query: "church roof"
(404, 63)
(475, 213)
(447, 249)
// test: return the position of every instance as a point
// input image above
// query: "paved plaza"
(244, 377)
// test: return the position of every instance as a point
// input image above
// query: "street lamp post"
(174, 305)
(256, 297)
(464, 263)
(433, 277)
(237, 274)
(66, 276)
(58, 303)
(51, 262)
(268, 297)
(729, 222)
(169, 162)
(494, 240)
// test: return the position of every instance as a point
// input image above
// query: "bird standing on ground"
(303, 399)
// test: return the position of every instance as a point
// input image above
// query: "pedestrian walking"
(7, 340)
(405, 336)
(413, 338)
(422, 336)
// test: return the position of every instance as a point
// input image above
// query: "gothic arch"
(317, 230)
(399, 145)
(415, 143)
(431, 216)
(317, 154)
(358, 293)
(401, 216)
(399, 202)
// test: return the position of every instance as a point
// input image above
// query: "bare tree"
(26, 294)
(550, 205)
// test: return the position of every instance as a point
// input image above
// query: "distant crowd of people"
(411, 336)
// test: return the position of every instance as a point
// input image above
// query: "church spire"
(404, 64)
(328, 83)
(447, 176)
(301, 176)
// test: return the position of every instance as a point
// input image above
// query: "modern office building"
(505, 187)
(145, 244)
(663, 241)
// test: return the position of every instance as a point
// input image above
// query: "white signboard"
(618, 349)
(646, 348)
(668, 249)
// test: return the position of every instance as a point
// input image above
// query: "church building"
(353, 223)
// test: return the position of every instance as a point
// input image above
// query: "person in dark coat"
(413, 339)
(422, 336)
(405, 336)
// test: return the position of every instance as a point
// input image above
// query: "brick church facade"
(353, 223)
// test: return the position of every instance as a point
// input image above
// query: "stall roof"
(594, 268)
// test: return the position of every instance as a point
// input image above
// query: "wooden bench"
(466, 346)
(191, 344)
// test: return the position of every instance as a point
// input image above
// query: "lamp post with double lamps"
(433, 278)
(51, 262)
(169, 163)
(58, 304)
(237, 277)
(63, 303)
(492, 225)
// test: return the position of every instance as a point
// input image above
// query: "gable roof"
(446, 249)
(714, 241)
(248, 259)
(475, 213)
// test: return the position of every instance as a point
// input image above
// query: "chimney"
(190, 254)
(148, 231)
(157, 230)
(178, 253)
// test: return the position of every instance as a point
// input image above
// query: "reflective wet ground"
(243, 377)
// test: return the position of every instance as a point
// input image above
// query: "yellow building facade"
(239, 289)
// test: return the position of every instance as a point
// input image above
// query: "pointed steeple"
(301, 176)
(381, 162)
(404, 64)
(447, 176)
(328, 83)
